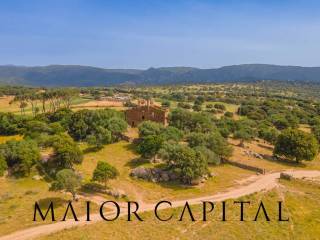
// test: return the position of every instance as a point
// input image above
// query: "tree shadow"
(131, 147)
(93, 187)
(137, 162)
(91, 149)
(175, 185)
(283, 161)
(57, 202)
(265, 147)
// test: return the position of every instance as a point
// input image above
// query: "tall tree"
(103, 172)
(66, 152)
(150, 145)
(68, 180)
(20, 156)
(189, 164)
(296, 145)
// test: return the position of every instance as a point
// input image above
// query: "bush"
(209, 106)
(8, 124)
(148, 128)
(210, 156)
(197, 108)
(219, 145)
(228, 114)
(197, 139)
(316, 132)
(268, 134)
(166, 103)
(184, 105)
(92, 187)
(3, 165)
(35, 128)
(220, 106)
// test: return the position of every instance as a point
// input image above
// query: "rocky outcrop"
(116, 193)
(37, 177)
(286, 176)
(153, 174)
(160, 175)
(250, 153)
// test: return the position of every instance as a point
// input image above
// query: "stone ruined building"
(144, 111)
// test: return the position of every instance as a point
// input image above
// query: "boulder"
(286, 176)
(141, 172)
(37, 177)
(116, 193)
(159, 175)
(153, 174)
(172, 176)
(165, 177)
(196, 181)
(156, 160)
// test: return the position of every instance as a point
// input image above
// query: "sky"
(143, 34)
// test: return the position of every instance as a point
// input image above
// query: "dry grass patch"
(266, 151)
(300, 208)
(5, 105)
(4, 139)
(17, 199)
(122, 156)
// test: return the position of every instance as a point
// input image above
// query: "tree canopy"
(103, 172)
(20, 156)
(296, 145)
(68, 180)
(186, 162)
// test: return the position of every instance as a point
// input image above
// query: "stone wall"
(245, 166)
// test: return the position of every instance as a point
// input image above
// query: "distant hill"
(73, 75)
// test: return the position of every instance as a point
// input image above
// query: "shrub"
(3, 165)
(228, 114)
(220, 106)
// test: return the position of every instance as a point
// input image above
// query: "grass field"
(300, 200)
(5, 105)
(122, 156)
(17, 196)
(99, 104)
(229, 107)
(266, 150)
(17, 199)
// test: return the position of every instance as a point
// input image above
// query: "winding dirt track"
(261, 182)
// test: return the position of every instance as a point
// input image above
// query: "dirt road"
(259, 183)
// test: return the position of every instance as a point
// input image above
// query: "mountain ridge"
(79, 75)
